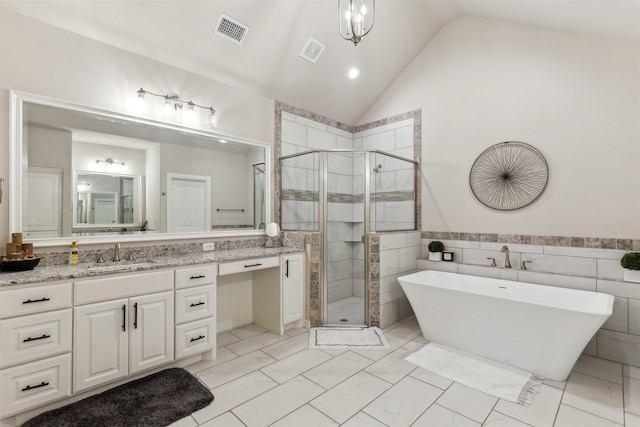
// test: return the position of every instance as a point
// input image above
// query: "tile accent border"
(564, 241)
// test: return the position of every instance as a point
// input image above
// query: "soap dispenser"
(73, 255)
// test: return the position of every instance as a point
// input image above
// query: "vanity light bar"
(176, 103)
(110, 161)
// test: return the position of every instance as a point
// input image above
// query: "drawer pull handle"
(43, 337)
(252, 265)
(29, 301)
(196, 339)
(31, 387)
(135, 316)
(197, 277)
(195, 304)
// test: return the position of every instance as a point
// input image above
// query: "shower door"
(344, 222)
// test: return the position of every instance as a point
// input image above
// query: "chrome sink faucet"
(116, 252)
(507, 261)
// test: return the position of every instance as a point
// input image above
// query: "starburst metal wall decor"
(509, 175)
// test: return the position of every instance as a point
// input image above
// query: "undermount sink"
(118, 267)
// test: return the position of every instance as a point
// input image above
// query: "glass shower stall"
(344, 195)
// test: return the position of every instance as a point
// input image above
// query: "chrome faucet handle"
(130, 256)
(493, 262)
(100, 259)
(524, 265)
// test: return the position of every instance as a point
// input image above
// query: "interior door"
(42, 200)
(188, 203)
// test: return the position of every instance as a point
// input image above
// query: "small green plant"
(631, 261)
(436, 246)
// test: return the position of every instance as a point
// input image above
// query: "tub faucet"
(507, 261)
(116, 252)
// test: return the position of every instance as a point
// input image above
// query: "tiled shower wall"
(393, 204)
(554, 264)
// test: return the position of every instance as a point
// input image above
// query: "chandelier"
(355, 19)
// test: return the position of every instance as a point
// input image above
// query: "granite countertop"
(64, 272)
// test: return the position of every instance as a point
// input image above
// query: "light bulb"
(353, 73)
(213, 117)
(139, 103)
(168, 107)
(363, 9)
(189, 115)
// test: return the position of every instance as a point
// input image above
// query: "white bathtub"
(541, 329)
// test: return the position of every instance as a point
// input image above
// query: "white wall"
(574, 97)
(45, 60)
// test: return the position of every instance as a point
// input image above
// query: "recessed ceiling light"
(353, 73)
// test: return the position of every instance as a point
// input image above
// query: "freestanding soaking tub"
(540, 329)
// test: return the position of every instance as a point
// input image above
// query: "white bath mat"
(488, 376)
(347, 339)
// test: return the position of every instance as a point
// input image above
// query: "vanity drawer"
(17, 302)
(122, 286)
(28, 338)
(34, 384)
(195, 303)
(195, 276)
(195, 337)
(248, 265)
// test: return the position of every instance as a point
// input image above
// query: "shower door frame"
(323, 224)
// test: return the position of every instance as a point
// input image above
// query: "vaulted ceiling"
(181, 33)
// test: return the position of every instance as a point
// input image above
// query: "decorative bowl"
(18, 264)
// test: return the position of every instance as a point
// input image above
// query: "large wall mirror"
(87, 174)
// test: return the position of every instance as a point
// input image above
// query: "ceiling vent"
(231, 29)
(312, 50)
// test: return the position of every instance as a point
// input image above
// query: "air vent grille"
(231, 29)
(312, 50)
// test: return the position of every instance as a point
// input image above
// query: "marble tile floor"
(262, 379)
(351, 309)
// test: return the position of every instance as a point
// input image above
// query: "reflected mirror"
(106, 200)
(86, 172)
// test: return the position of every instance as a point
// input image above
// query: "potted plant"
(435, 250)
(631, 264)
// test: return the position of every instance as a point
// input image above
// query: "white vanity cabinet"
(196, 310)
(35, 346)
(292, 272)
(123, 324)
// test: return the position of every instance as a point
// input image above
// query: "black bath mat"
(156, 400)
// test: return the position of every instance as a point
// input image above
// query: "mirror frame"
(16, 103)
